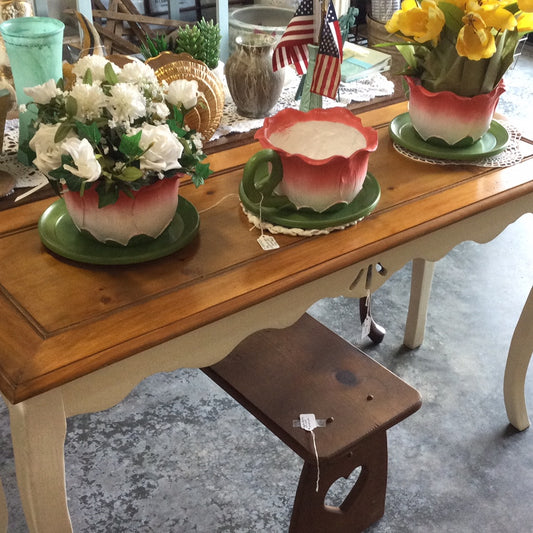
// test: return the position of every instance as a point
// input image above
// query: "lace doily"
(24, 176)
(361, 90)
(295, 232)
(509, 157)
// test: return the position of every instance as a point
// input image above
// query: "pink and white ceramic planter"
(149, 213)
(445, 117)
(319, 158)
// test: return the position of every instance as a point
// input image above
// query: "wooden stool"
(279, 374)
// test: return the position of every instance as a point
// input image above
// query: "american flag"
(292, 48)
(327, 73)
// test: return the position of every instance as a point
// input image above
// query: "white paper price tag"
(366, 326)
(267, 242)
(308, 422)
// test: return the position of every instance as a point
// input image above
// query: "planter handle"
(262, 173)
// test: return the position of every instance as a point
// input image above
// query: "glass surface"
(34, 47)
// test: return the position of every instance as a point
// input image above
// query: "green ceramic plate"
(493, 142)
(363, 204)
(60, 235)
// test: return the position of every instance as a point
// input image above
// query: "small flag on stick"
(327, 73)
(292, 48)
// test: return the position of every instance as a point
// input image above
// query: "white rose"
(82, 153)
(183, 92)
(47, 151)
(42, 94)
(163, 148)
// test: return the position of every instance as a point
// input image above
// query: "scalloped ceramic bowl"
(323, 153)
(447, 118)
(148, 214)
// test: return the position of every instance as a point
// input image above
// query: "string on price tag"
(267, 242)
(309, 422)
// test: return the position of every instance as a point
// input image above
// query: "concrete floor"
(178, 456)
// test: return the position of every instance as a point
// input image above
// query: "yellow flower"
(475, 41)
(525, 22)
(493, 14)
(392, 25)
(526, 5)
(422, 23)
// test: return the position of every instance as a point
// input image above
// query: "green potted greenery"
(201, 41)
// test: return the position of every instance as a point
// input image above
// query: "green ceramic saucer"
(60, 235)
(493, 142)
(363, 204)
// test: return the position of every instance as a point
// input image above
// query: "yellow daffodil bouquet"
(460, 46)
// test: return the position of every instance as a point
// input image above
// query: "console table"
(76, 338)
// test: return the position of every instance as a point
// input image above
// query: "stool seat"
(306, 368)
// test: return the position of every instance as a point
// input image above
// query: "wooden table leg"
(3, 510)
(518, 359)
(38, 429)
(421, 278)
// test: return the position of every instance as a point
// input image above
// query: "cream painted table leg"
(3, 510)
(516, 369)
(38, 430)
(421, 278)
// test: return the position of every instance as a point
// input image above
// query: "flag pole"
(318, 6)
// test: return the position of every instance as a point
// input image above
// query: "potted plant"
(456, 54)
(201, 41)
(114, 146)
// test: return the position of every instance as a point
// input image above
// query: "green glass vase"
(34, 47)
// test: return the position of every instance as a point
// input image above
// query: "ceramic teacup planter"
(147, 214)
(447, 118)
(315, 160)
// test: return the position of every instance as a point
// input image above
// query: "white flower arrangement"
(118, 129)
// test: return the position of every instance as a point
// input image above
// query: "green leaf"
(129, 146)
(178, 115)
(130, 174)
(71, 106)
(88, 77)
(89, 132)
(74, 183)
(454, 16)
(107, 194)
(58, 174)
(152, 47)
(63, 131)
(107, 163)
(110, 75)
(201, 173)
(176, 128)
(513, 8)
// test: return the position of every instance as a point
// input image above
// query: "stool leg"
(365, 502)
